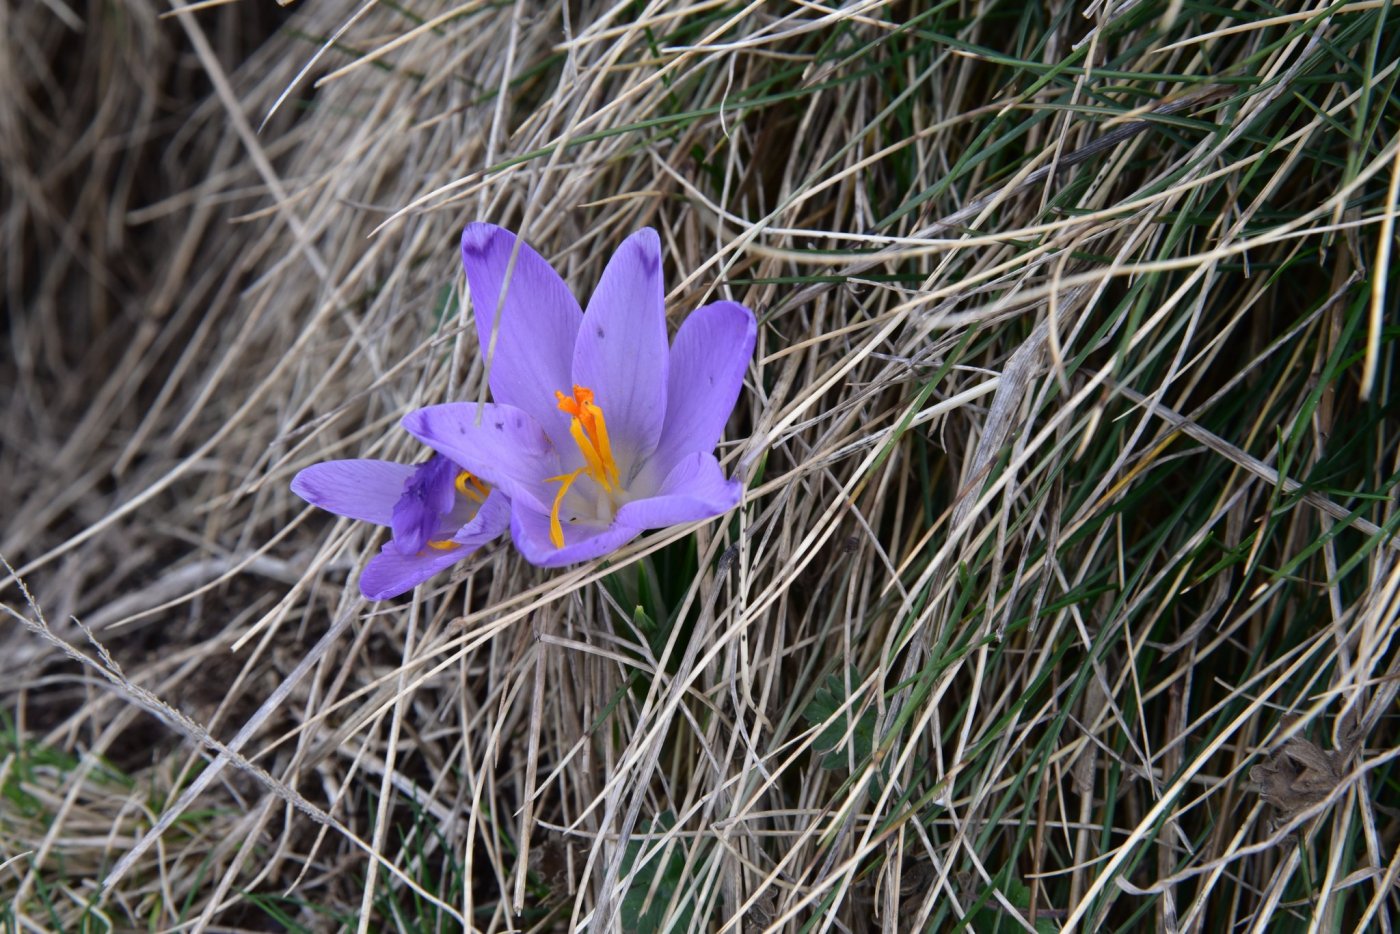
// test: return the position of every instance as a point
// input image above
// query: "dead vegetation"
(1065, 590)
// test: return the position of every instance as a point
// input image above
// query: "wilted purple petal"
(357, 489)
(507, 448)
(694, 489)
(390, 573)
(708, 358)
(427, 497)
(530, 531)
(621, 352)
(539, 322)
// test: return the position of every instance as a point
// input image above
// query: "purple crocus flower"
(439, 514)
(599, 430)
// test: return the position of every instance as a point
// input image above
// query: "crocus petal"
(530, 530)
(426, 498)
(695, 489)
(621, 351)
(358, 489)
(505, 447)
(389, 573)
(708, 358)
(490, 520)
(539, 322)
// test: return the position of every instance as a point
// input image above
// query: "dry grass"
(1065, 590)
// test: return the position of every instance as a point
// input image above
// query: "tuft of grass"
(1063, 593)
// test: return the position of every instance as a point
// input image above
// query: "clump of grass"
(1064, 592)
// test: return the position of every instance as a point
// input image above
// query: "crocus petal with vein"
(599, 430)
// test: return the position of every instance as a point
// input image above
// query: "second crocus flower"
(438, 513)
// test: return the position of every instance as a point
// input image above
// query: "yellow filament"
(556, 529)
(470, 487)
(446, 544)
(600, 440)
(592, 460)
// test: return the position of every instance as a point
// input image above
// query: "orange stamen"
(446, 544)
(590, 432)
(472, 488)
